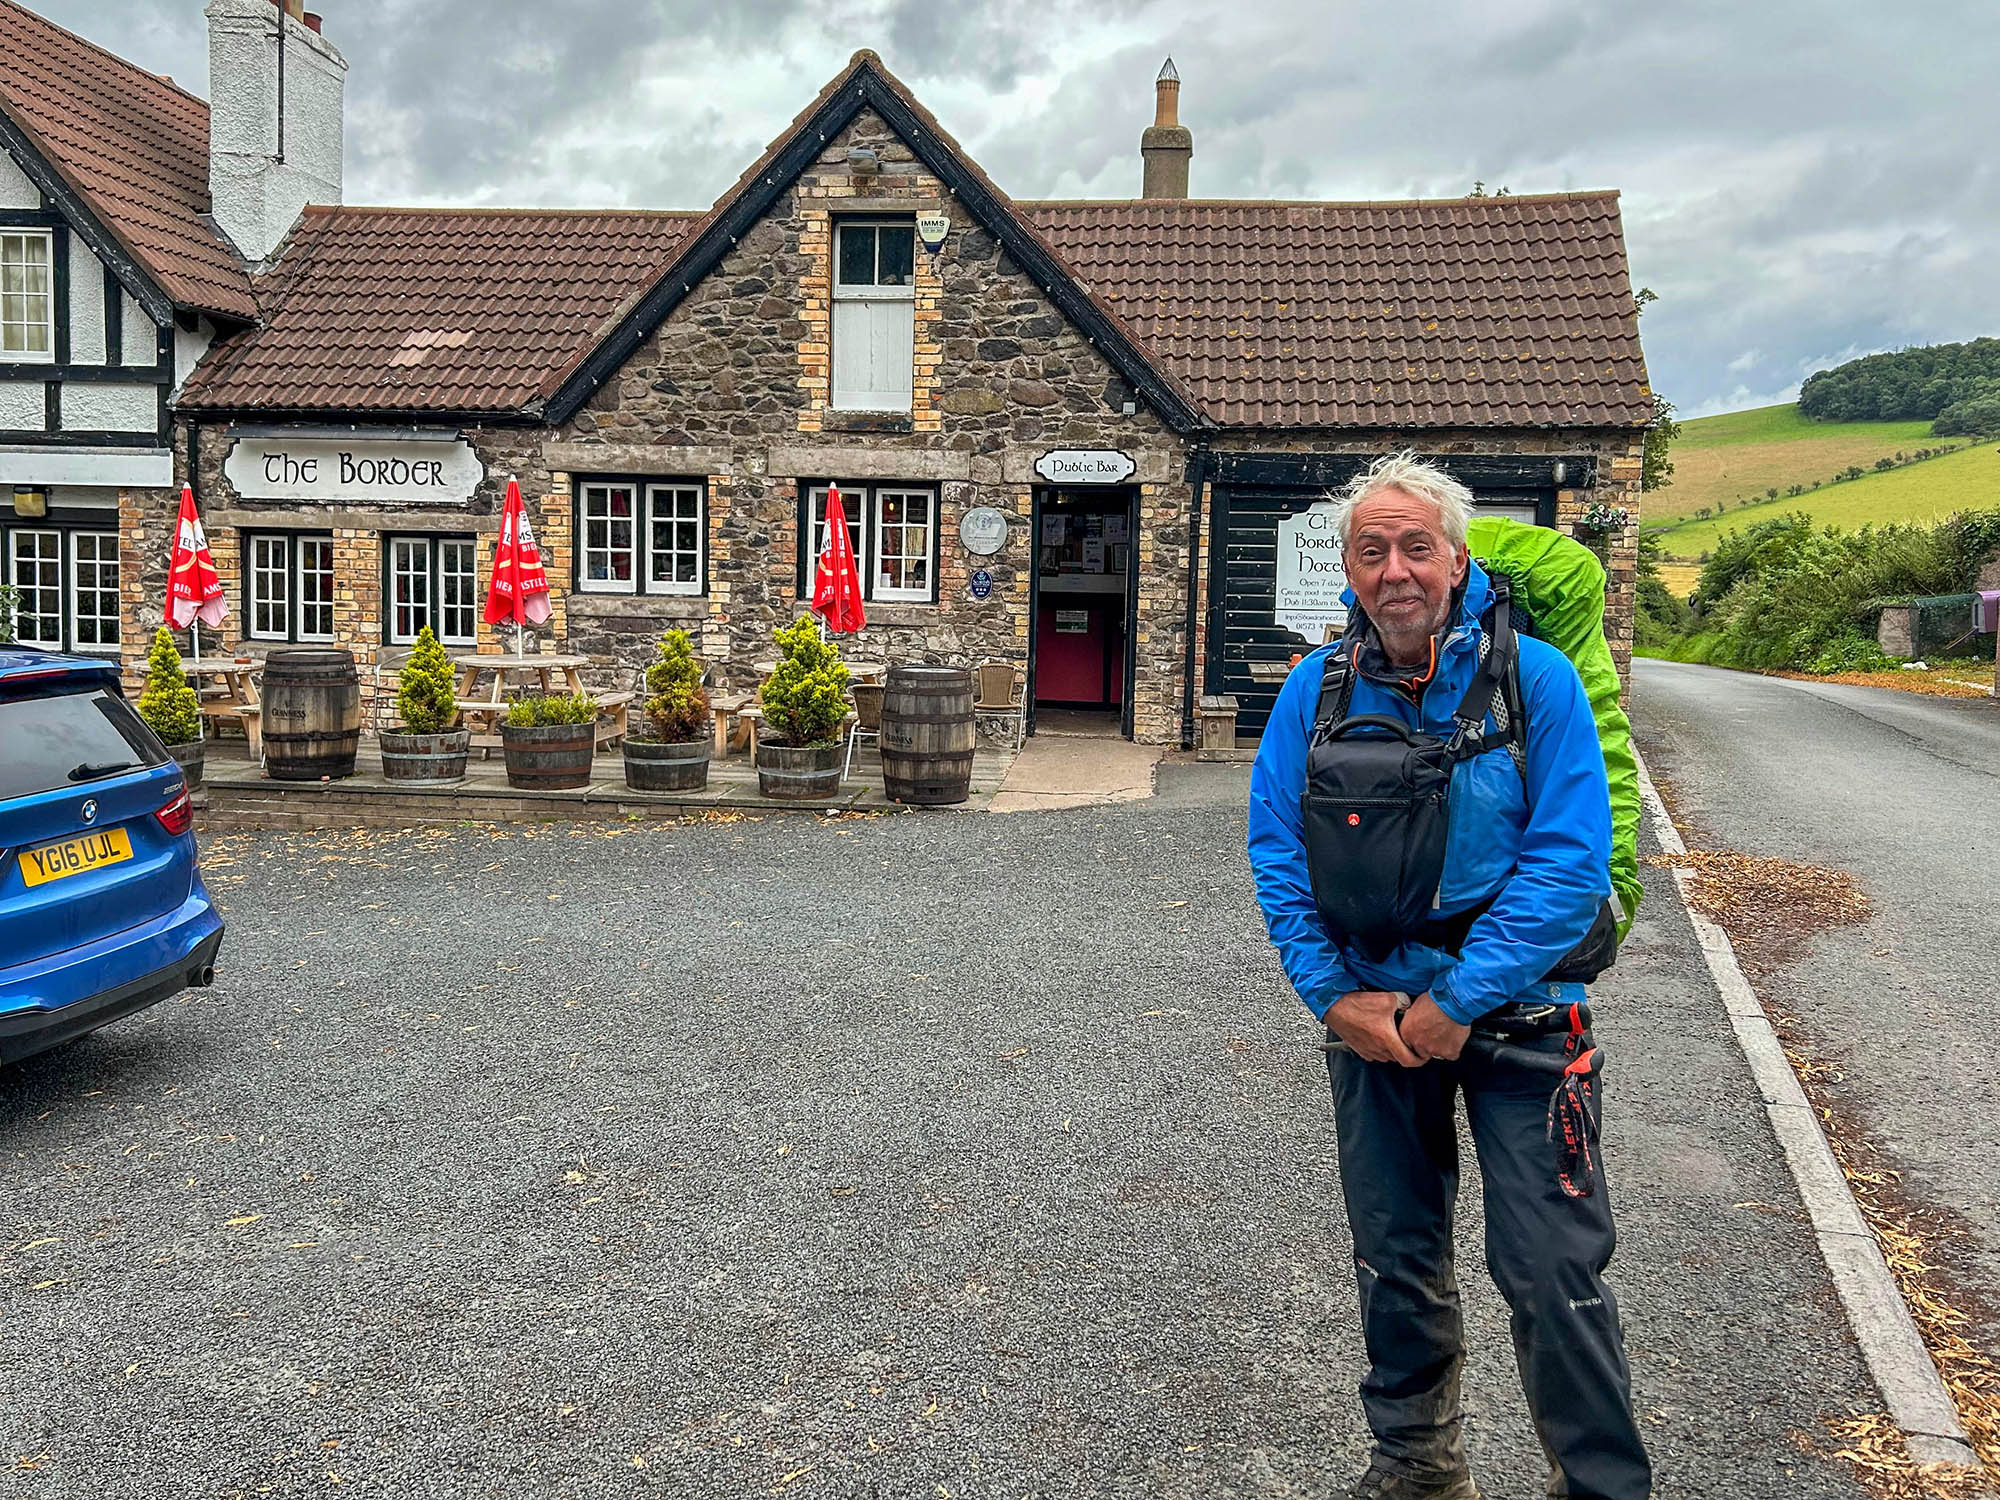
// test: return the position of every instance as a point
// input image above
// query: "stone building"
(1068, 435)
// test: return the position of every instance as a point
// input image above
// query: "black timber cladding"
(1248, 652)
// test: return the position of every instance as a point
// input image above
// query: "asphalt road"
(1902, 793)
(917, 1156)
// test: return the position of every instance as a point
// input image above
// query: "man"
(1519, 883)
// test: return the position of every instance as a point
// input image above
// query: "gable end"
(864, 89)
(107, 247)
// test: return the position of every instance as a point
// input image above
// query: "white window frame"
(675, 494)
(9, 261)
(22, 614)
(862, 502)
(884, 590)
(463, 581)
(586, 551)
(289, 570)
(76, 591)
(429, 546)
(299, 571)
(857, 306)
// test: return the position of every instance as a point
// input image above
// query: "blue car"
(102, 907)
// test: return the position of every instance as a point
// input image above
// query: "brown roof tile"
(1469, 312)
(445, 310)
(135, 149)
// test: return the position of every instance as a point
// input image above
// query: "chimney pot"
(1167, 145)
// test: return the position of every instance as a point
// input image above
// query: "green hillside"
(1728, 464)
(1929, 491)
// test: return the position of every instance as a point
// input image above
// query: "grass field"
(1969, 480)
(1741, 454)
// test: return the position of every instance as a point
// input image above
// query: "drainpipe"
(1197, 469)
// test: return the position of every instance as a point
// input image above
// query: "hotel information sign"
(1312, 573)
(383, 471)
(1086, 466)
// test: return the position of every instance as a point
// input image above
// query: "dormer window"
(874, 315)
(27, 303)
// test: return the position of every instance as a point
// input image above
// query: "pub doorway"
(1084, 594)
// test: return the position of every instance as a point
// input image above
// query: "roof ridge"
(1495, 198)
(124, 62)
(495, 211)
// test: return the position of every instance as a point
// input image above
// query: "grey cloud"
(1801, 182)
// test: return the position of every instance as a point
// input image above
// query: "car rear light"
(178, 815)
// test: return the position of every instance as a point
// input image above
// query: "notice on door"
(1312, 573)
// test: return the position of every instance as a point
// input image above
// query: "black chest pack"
(1377, 805)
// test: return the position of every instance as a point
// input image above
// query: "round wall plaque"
(983, 530)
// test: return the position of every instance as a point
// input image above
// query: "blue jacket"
(1542, 842)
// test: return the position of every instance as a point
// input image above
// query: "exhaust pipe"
(202, 978)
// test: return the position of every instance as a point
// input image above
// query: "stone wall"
(735, 384)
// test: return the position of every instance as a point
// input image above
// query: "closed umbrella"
(194, 588)
(519, 589)
(836, 596)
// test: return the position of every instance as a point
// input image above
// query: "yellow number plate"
(73, 856)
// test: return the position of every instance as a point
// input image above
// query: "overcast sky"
(1802, 182)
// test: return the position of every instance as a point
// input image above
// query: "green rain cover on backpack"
(1561, 584)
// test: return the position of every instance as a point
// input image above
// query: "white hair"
(1406, 472)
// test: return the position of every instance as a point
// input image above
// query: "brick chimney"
(274, 119)
(1167, 144)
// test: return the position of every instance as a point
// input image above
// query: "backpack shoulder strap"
(1495, 688)
(1336, 687)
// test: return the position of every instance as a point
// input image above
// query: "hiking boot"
(1382, 1482)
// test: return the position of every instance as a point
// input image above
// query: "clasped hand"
(1367, 1020)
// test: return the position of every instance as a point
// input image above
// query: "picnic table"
(483, 712)
(233, 697)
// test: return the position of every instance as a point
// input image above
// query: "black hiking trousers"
(1547, 1252)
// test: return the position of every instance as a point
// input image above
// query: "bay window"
(434, 581)
(874, 316)
(287, 586)
(641, 537)
(894, 532)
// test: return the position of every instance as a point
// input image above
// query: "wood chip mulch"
(1929, 684)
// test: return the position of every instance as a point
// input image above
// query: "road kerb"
(1897, 1358)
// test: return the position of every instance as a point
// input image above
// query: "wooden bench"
(726, 709)
(246, 716)
(613, 710)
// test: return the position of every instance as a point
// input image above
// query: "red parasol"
(194, 588)
(837, 581)
(519, 590)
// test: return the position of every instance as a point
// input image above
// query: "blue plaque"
(982, 583)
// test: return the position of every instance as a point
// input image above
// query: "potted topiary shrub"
(423, 749)
(675, 759)
(170, 708)
(799, 751)
(549, 741)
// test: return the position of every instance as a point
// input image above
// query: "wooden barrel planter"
(927, 735)
(666, 765)
(425, 759)
(312, 713)
(799, 773)
(548, 757)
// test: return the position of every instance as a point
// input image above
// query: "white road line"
(1897, 1358)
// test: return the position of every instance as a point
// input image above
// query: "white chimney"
(274, 120)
